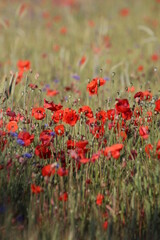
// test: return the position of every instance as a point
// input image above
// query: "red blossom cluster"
(23, 66)
(123, 120)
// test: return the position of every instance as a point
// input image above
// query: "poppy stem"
(98, 98)
(25, 92)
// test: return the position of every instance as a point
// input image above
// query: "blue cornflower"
(76, 77)
(13, 134)
(56, 80)
(27, 155)
(20, 142)
(106, 78)
(53, 134)
(57, 165)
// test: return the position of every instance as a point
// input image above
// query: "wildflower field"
(80, 119)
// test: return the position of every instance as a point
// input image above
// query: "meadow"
(80, 120)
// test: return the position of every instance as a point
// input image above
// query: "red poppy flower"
(56, 48)
(52, 93)
(124, 12)
(99, 199)
(59, 130)
(48, 170)
(97, 130)
(23, 65)
(113, 150)
(91, 23)
(45, 15)
(148, 149)
(10, 113)
(155, 57)
(87, 111)
(131, 89)
(147, 96)
(33, 86)
(45, 55)
(46, 137)
(36, 189)
(63, 197)
(111, 114)
(105, 225)
(84, 160)
(51, 106)
(92, 87)
(71, 144)
(22, 9)
(81, 144)
(63, 30)
(20, 117)
(82, 61)
(82, 152)
(57, 116)
(70, 116)
(122, 106)
(38, 113)
(123, 135)
(42, 151)
(73, 154)
(127, 115)
(88, 181)
(101, 116)
(157, 107)
(144, 132)
(139, 96)
(91, 122)
(140, 68)
(2, 133)
(69, 88)
(95, 156)
(96, 49)
(62, 172)
(107, 41)
(19, 77)
(12, 126)
(26, 138)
